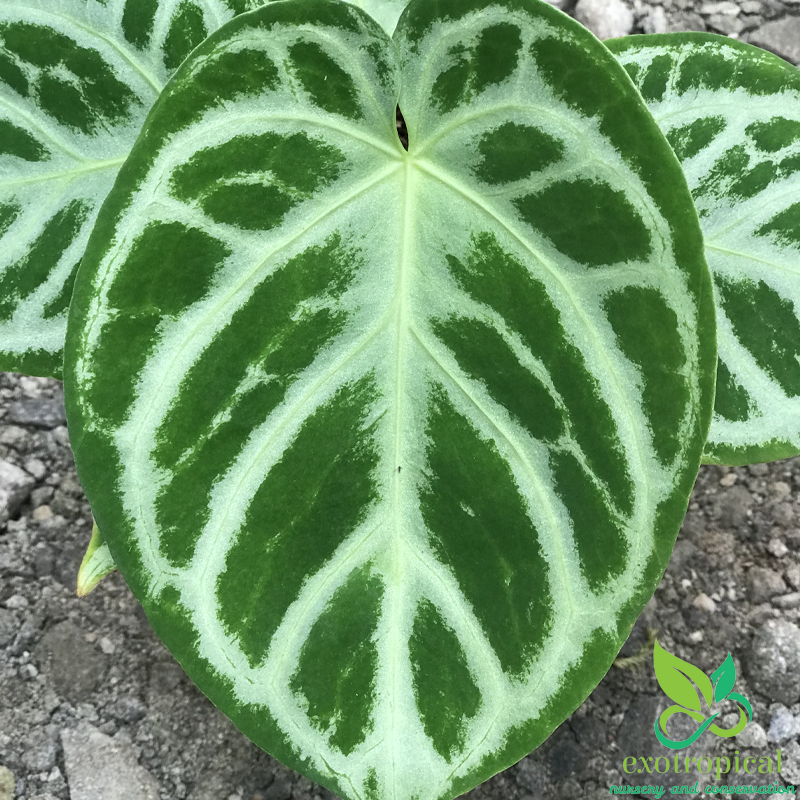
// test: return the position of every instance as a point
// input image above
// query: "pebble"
(42, 513)
(70, 663)
(753, 736)
(17, 602)
(733, 507)
(39, 753)
(36, 468)
(15, 488)
(100, 767)
(41, 412)
(791, 763)
(106, 645)
(705, 603)
(724, 7)
(781, 36)
(280, 789)
(656, 22)
(773, 666)
(13, 436)
(41, 495)
(793, 575)
(764, 584)
(7, 784)
(791, 600)
(606, 19)
(777, 548)
(128, 709)
(783, 725)
(8, 627)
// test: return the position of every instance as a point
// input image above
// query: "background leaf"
(674, 676)
(394, 446)
(77, 79)
(732, 114)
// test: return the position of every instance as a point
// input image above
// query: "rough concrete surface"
(93, 707)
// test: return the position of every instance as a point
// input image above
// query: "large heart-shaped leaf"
(77, 79)
(393, 446)
(732, 114)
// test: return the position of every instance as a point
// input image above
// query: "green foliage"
(406, 431)
(732, 114)
(393, 445)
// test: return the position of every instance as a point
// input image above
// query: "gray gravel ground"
(93, 707)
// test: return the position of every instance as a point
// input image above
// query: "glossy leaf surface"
(732, 114)
(394, 446)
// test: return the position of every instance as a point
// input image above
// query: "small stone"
(41, 412)
(695, 637)
(724, 23)
(764, 584)
(793, 575)
(41, 496)
(13, 436)
(774, 661)
(753, 736)
(758, 615)
(781, 36)
(8, 627)
(729, 9)
(733, 505)
(28, 672)
(791, 763)
(17, 602)
(39, 753)
(15, 488)
(42, 513)
(656, 22)
(279, 789)
(777, 548)
(73, 666)
(101, 767)
(791, 600)
(35, 467)
(606, 19)
(783, 725)
(7, 784)
(705, 603)
(106, 645)
(128, 710)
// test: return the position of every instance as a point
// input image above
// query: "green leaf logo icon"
(680, 681)
(675, 678)
(723, 679)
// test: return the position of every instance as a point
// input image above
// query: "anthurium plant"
(393, 444)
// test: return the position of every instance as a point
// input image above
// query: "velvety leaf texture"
(732, 114)
(77, 79)
(394, 446)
